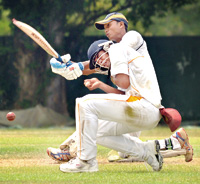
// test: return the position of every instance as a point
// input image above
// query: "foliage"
(162, 22)
(184, 22)
(83, 13)
(4, 23)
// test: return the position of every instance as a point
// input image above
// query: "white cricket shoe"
(153, 156)
(77, 165)
(58, 154)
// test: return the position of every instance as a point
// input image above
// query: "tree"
(32, 62)
(184, 22)
(54, 19)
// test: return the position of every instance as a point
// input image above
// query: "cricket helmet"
(94, 49)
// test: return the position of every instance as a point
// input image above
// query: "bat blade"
(37, 37)
(41, 41)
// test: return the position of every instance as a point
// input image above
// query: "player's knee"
(85, 102)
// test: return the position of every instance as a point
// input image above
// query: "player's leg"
(66, 151)
(115, 156)
(136, 115)
(177, 144)
(59, 155)
(109, 136)
(68, 148)
(68, 140)
(146, 151)
(111, 107)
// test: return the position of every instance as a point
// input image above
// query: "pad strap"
(168, 144)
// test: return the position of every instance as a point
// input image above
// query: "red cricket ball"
(10, 116)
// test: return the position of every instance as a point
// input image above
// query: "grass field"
(23, 159)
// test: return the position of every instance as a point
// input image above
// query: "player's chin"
(111, 38)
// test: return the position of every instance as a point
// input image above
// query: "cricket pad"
(171, 117)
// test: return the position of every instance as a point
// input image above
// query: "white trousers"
(104, 118)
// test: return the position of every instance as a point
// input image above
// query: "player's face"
(114, 30)
(102, 59)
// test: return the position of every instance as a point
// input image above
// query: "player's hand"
(70, 73)
(74, 71)
(57, 67)
(92, 84)
(66, 58)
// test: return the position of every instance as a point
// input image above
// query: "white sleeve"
(133, 39)
(119, 63)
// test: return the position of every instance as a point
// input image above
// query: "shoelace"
(71, 161)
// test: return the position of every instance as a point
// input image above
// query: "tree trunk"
(29, 72)
(34, 85)
(56, 91)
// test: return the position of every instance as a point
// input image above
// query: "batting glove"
(66, 58)
(74, 71)
(69, 72)
(57, 67)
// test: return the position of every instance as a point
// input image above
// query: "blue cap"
(110, 17)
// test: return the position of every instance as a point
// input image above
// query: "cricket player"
(133, 107)
(115, 26)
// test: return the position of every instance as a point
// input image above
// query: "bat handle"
(70, 63)
(59, 59)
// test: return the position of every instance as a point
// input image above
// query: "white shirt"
(135, 41)
(143, 81)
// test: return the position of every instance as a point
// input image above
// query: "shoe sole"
(158, 155)
(189, 145)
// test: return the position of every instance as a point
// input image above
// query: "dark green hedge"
(176, 61)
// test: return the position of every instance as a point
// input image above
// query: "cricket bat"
(40, 40)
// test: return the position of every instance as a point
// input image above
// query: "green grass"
(23, 159)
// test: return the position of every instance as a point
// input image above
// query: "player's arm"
(119, 66)
(94, 83)
(121, 80)
(133, 39)
(87, 70)
(73, 71)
